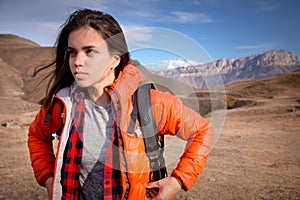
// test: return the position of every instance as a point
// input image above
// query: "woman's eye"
(71, 53)
(90, 51)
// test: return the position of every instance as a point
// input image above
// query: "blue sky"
(197, 30)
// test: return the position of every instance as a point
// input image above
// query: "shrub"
(230, 102)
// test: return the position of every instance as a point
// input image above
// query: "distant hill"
(22, 56)
(254, 67)
(252, 93)
(10, 41)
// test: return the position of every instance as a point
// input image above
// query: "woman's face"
(90, 61)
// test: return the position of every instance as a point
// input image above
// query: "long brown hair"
(109, 29)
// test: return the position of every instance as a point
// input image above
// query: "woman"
(96, 157)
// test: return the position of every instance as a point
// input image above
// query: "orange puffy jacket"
(172, 117)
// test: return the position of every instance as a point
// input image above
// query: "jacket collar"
(128, 81)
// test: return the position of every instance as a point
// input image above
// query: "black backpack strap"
(142, 108)
(134, 114)
(62, 116)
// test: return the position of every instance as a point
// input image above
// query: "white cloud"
(143, 14)
(172, 64)
(47, 25)
(137, 36)
(188, 17)
(204, 2)
(251, 47)
(92, 4)
(265, 5)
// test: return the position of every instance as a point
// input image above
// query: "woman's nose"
(79, 59)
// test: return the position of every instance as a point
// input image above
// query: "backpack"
(154, 144)
(142, 110)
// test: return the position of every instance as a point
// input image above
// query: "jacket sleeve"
(174, 118)
(40, 143)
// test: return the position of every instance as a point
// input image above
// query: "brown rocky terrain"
(256, 156)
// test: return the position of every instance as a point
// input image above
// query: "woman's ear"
(116, 61)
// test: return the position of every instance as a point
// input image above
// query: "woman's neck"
(99, 96)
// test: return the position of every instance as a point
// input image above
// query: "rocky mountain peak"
(278, 57)
(257, 66)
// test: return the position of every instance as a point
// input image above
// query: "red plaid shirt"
(112, 187)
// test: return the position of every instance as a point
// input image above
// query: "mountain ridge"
(257, 66)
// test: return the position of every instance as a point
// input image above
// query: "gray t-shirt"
(97, 133)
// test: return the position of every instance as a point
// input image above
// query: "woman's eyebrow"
(88, 47)
(83, 48)
(70, 48)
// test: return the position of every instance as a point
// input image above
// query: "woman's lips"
(80, 74)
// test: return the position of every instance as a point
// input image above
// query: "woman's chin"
(82, 85)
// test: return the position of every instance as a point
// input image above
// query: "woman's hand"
(48, 184)
(164, 189)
